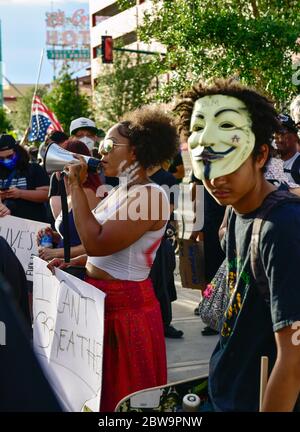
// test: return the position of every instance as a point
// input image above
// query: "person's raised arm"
(118, 232)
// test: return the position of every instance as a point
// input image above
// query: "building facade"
(106, 19)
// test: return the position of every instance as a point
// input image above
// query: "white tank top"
(134, 262)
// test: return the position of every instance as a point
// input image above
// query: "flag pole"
(36, 86)
(39, 73)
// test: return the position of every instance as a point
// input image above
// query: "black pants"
(162, 275)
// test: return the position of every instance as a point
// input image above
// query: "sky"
(23, 24)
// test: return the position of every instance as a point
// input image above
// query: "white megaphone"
(56, 158)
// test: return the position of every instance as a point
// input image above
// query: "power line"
(11, 84)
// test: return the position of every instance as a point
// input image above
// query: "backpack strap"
(274, 199)
(295, 170)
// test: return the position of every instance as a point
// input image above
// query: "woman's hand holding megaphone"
(76, 173)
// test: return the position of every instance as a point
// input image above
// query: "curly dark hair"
(263, 114)
(152, 134)
(58, 137)
(76, 146)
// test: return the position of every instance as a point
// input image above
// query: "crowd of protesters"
(243, 152)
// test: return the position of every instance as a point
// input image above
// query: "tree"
(122, 87)
(5, 124)
(66, 101)
(252, 40)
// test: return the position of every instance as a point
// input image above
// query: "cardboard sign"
(21, 236)
(191, 263)
(68, 335)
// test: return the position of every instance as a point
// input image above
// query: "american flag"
(42, 121)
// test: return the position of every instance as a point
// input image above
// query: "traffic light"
(107, 49)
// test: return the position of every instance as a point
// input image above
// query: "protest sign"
(68, 335)
(191, 263)
(21, 236)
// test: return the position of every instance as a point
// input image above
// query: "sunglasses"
(107, 145)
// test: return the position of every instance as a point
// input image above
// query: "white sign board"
(21, 236)
(68, 326)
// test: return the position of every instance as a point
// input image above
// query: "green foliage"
(252, 40)
(125, 4)
(21, 117)
(5, 124)
(122, 87)
(66, 101)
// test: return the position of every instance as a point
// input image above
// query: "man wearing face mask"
(23, 185)
(231, 129)
(85, 131)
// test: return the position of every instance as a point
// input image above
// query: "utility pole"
(53, 48)
(137, 30)
(1, 77)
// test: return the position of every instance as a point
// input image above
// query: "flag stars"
(42, 121)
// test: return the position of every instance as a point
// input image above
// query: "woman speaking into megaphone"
(121, 237)
(90, 185)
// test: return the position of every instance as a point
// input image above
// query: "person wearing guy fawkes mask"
(85, 131)
(23, 185)
(231, 129)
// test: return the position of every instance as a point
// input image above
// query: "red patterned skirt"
(134, 352)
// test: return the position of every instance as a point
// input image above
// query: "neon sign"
(71, 31)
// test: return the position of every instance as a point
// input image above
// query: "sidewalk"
(189, 356)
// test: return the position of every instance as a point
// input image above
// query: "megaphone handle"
(65, 217)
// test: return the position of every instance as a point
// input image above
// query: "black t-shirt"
(112, 181)
(32, 177)
(168, 182)
(213, 217)
(175, 163)
(164, 178)
(249, 322)
(54, 189)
